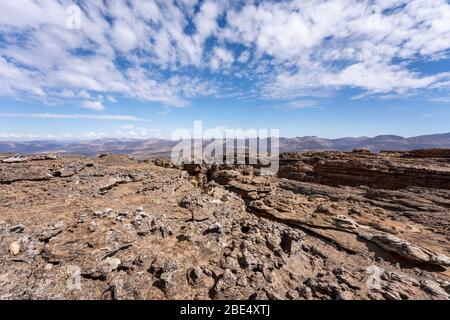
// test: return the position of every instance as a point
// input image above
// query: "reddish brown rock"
(117, 228)
(383, 171)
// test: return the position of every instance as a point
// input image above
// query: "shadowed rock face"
(423, 168)
(116, 228)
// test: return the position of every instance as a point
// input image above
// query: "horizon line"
(87, 139)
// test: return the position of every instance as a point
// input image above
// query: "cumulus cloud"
(123, 36)
(222, 59)
(158, 51)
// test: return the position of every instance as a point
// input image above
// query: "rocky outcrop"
(429, 153)
(405, 249)
(384, 171)
(278, 202)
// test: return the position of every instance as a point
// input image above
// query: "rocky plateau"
(329, 225)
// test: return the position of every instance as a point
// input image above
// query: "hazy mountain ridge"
(162, 147)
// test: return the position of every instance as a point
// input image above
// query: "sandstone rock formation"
(331, 226)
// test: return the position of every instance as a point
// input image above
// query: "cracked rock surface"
(118, 228)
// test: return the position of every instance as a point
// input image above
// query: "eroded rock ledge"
(386, 170)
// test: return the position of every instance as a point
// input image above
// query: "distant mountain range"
(160, 147)
(376, 144)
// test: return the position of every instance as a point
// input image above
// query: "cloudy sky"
(141, 68)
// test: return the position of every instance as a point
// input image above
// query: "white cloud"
(244, 57)
(221, 59)
(440, 99)
(301, 104)
(72, 116)
(294, 105)
(93, 105)
(84, 60)
(111, 99)
(334, 44)
(123, 36)
(84, 94)
(141, 50)
(206, 20)
(32, 136)
(95, 135)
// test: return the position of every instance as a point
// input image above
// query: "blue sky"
(137, 69)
